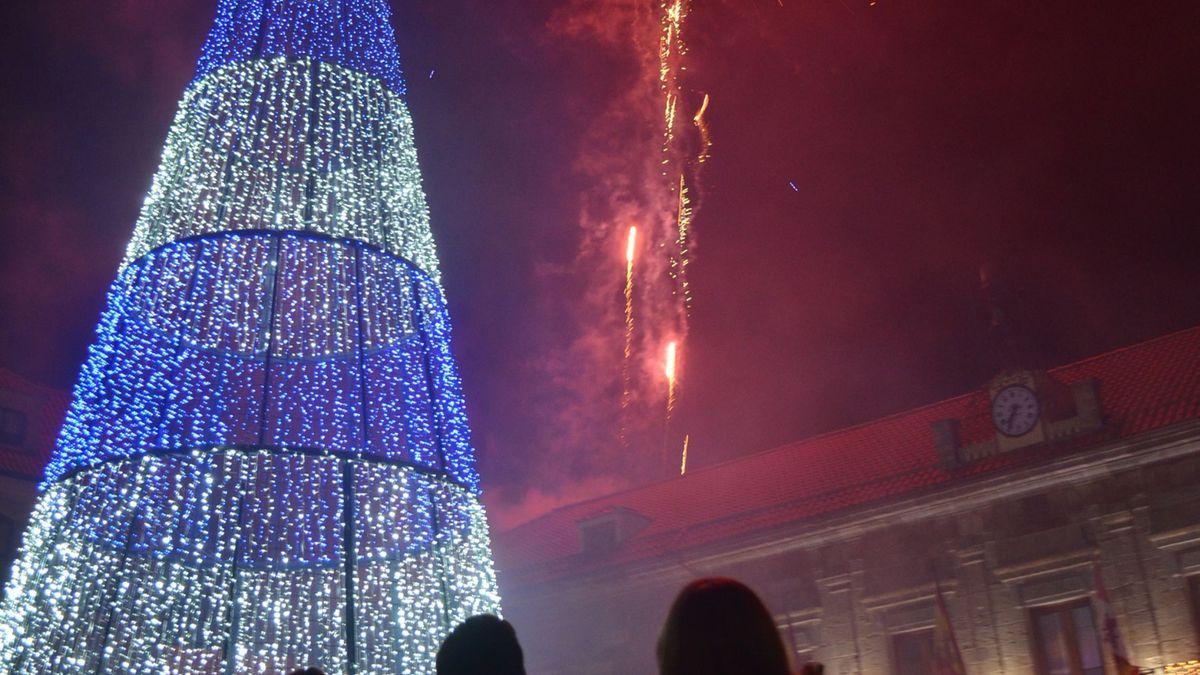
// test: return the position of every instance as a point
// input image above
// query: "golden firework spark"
(669, 126)
(683, 462)
(702, 126)
(670, 50)
(669, 366)
(670, 42)
(669, 371)
(630, 252)
(680, 261)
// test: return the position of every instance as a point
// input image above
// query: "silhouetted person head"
(481, 645)
(719, 627)
(307, 671)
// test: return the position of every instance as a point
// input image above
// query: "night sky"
(1055, 142)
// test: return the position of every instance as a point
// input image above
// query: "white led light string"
(149, 588)
(238, 157)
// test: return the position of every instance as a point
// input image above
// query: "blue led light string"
(419, 321)
(355, 34)
(179, 407)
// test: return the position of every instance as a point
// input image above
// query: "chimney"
(1087, 403)
(945, 440)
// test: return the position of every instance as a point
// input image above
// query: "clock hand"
(1012, 412)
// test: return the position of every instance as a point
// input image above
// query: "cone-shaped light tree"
(266, 462)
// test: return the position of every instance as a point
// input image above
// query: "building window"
(12, 426)
(912, 653)
(599, 537)
(1066, 640)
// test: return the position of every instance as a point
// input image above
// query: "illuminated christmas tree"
(266, 463)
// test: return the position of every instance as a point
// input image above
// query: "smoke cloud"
(619, 160)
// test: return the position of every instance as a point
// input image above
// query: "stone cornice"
(1179, 440)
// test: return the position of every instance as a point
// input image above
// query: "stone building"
(1009, 499)
(30, 415)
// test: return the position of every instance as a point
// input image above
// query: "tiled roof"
(44, 409)
(1143, 387)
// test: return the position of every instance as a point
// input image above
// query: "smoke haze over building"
(867, 160)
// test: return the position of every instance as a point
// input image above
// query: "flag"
(1108, 621)
(947, 660)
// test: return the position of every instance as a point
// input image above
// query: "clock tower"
(1023, 408)
(1018, 401)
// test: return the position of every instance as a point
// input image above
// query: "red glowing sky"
(1055, 141)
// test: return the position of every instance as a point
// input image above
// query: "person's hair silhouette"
(481, 645)
(718, 626)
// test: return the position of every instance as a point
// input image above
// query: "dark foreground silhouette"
(718, 626)
(481, 645)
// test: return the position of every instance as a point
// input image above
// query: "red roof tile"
(44, 409)
(1143, 387)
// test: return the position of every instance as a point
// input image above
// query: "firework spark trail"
(670, 65)
(669, 371)
(674, 152)
(685, 212)
(669, 118)
(683, 461)
(670, 49)
(670, 44)
(679, 263)
(670, 60)
(630, 252)
(705, 136)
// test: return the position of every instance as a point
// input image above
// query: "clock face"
(1015, 410)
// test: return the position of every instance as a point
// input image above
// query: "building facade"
(30, 415)
(1019, 502)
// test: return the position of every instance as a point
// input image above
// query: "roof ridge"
(1136, 345)
(908, 411)
(572, 505)
(833, 432)
(732, 460)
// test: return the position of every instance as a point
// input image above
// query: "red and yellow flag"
(947, 660)
(1108, 621)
